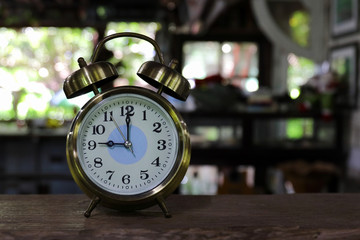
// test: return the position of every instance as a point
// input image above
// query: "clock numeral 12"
(127, 110)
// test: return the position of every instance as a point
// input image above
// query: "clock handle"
(94, 202)
(162, 205)
(127, 34)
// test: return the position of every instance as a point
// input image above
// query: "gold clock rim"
(145, 199)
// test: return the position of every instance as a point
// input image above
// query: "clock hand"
(111, 143)
(127, 120)
(127, 143)
(118, 128)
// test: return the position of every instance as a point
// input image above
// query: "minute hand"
(127, 143)
(127, 120)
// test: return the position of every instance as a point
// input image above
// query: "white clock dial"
(127, 144)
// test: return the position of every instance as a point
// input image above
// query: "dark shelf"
(262, 156)
(266, 153)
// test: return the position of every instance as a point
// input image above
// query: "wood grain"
(302, 216)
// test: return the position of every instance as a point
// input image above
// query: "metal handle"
(127, 34)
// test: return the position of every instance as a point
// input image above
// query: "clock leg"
(163, 207)
(94, 202)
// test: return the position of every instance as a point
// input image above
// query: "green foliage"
(299, 27)
(34, 63)
(298, 128)
(130, 53)
(299, 71)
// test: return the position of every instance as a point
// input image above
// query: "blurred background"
(274, 102)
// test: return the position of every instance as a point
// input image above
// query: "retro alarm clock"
(128, 148)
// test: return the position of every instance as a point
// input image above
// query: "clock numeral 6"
(126, 179)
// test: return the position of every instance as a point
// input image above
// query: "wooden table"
(302, 216)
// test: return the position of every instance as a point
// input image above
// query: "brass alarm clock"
(128, 148)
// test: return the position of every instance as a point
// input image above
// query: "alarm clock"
(128, 148)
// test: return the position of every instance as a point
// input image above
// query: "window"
(237, 62)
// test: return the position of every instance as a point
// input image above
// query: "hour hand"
(111, 143)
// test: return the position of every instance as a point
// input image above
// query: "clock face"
(127, 144)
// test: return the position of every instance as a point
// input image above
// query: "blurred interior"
(273, 108)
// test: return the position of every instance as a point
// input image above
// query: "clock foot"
(94, 202)
(163, 207)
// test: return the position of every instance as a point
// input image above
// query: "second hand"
(123, 136)
(118, 128)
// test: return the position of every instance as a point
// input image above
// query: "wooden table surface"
(299, 216)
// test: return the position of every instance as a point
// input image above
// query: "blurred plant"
(300, 27)
(300, 69)
(34, 61)
(130, 53)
